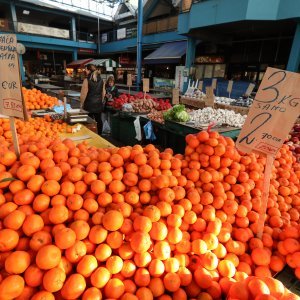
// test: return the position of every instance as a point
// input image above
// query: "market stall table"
(84, 134)
(47, 86)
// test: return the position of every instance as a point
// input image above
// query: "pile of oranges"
(32, 130)
(35, 99)
(134, 223)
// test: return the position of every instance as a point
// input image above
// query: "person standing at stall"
(91, 96)
(111, 92)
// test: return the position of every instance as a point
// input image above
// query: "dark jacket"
(93, 102)
(111, 92)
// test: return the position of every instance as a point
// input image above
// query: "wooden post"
(265, 196)
(14, 135)
(65, 107)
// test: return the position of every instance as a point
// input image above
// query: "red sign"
(88, 51)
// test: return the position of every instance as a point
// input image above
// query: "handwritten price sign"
(11, 102)
(273, 113)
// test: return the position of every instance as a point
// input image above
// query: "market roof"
(167, 53)
(106, 62)
(79, 63)
(104, 9)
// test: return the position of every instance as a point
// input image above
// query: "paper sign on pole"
(230, 85)
(210, 97)
(146, 85)
(272, 114)
(200, 86)
(214, 83)
(275, 108)
(11, 101)
(129, 80)
(250, 89)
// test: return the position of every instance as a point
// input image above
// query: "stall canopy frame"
(104, 62)
(79, 63)
(167, 53)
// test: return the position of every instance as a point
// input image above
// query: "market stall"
(176, 215)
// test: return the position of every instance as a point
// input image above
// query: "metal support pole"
(294, 59)
(139, 43)
(98, 37)
(14, 16)
(73, 28)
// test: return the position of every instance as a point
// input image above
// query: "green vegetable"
(168, 115)
(182, 116)
(177, 113)
(178, 108)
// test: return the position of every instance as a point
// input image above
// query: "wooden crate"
(192, 102)
(237, 109)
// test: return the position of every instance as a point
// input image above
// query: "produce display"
(79, 222)
(32, 130)
(140, 103)
(157, 116)
(220, 116)
(224, 100)
(35, 99)
(177, 113)
(294, 141)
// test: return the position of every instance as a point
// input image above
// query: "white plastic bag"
(138, 130)
(105, 128)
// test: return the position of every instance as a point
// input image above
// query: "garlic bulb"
(220, 116)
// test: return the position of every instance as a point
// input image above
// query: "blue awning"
(167, 53)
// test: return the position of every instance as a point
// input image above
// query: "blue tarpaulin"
(167, 53)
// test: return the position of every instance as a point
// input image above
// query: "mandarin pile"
(35, 99)
(32, 130)
(136, 223)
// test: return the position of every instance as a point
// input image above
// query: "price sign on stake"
(146, 85)
(129, 80)
(175, 94)
(200, 86)
(210, 97)
(250, 89)
(214, 83)
(11, 97)
(229, 87)
(11, 101)
(271, 117)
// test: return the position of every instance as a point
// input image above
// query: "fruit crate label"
(273, 113)
(11, 100)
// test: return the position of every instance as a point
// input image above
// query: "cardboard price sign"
(200, 86)
(210, 97)
(214, 83)
(11, 100)
(175, 94)
(146, 85)
(129, 80)
(272, 114)
(230, 85)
